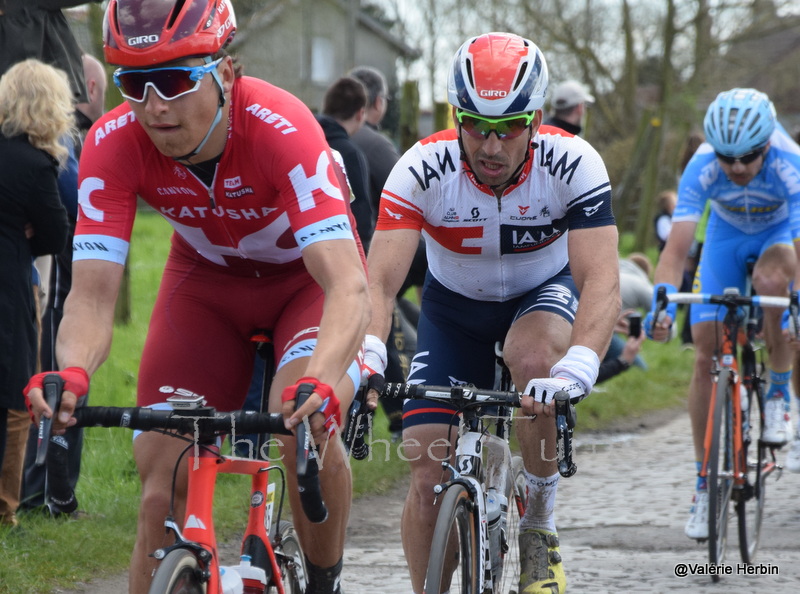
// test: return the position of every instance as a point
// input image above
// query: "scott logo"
(142, 39)
(493, 93)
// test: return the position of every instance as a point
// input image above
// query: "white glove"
(575, 373)
(544, 389)
(374, 357)
(580, 364)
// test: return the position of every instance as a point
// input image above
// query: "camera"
(635, 325)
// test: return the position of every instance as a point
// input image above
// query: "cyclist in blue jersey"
(749, 171)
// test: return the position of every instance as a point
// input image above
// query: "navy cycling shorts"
(456, 338)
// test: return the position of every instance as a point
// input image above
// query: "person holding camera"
(636, 292)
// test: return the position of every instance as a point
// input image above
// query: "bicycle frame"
(195, 562)
(198, 534)
(468, 471)
(725, 438)
(481, 461)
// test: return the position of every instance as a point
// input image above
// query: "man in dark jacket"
(343, 113)
(569, 101)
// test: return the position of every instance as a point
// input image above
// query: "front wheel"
(518, 501)
(760, 464)
(453, 562)
(178, 573)
(290, 559)
(720, 469)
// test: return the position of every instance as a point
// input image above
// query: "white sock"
(540, 512)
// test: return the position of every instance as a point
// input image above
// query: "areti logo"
(493, 93)
(142, 39)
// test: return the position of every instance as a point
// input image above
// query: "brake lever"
(307, 468)
(566, 418)
(52, 386)
(794, 312)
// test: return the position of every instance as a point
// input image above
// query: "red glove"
(76, 380)
(330, 403)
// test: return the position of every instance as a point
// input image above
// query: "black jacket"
(355, 166)
(38, 29)
(28, 194)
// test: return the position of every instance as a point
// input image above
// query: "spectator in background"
(343, 114)
(380, 152)
(568, 102)
(39, 30)
(636, 292)
(35, 111)
(59, 281)
(665, 202)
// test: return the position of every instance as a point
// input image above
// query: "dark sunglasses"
(169, 83)
(745, 159)
(505, 128)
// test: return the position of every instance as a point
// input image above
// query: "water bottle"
(254, 578)
(230, 581)
(494, 514)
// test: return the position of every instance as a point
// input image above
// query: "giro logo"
(493, 93)
(142, 39)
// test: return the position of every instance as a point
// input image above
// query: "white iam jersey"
(492, 249)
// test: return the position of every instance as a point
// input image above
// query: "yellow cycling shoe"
(541, 570)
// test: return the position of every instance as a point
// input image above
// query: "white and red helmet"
(141, 33)
(498, 75)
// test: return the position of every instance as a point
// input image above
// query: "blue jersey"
(772, 198)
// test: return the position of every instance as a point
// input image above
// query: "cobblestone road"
(620, 520)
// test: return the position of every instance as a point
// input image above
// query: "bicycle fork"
(469, 466)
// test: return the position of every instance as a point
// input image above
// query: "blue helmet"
(739, 121)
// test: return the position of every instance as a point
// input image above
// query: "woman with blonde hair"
(35, 112)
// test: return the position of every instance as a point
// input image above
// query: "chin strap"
(217, 118)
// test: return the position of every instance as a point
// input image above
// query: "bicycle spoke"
(509, 578)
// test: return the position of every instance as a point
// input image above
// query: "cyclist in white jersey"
(749, 170)
(517, 223)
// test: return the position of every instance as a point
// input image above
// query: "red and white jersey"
(492, 249)
(275, 191)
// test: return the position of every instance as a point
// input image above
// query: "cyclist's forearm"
(390, 258)
(341, 333)
(672, 261)
(593, 325)
(382, 310)
(84, 334)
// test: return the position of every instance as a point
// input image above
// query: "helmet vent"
(469, 73)
(175, 13)
(521, 75)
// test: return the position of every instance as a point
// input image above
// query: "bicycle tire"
(291, 560)
(517, 503)
(178, 573)
(750, 499)
(456, 527)
(720, 470)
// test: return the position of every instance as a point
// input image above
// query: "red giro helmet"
(498, 75)
(142, 33)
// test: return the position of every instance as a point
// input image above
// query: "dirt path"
(620, 520)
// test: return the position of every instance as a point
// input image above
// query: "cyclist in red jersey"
(263, 240)
(517, 223)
